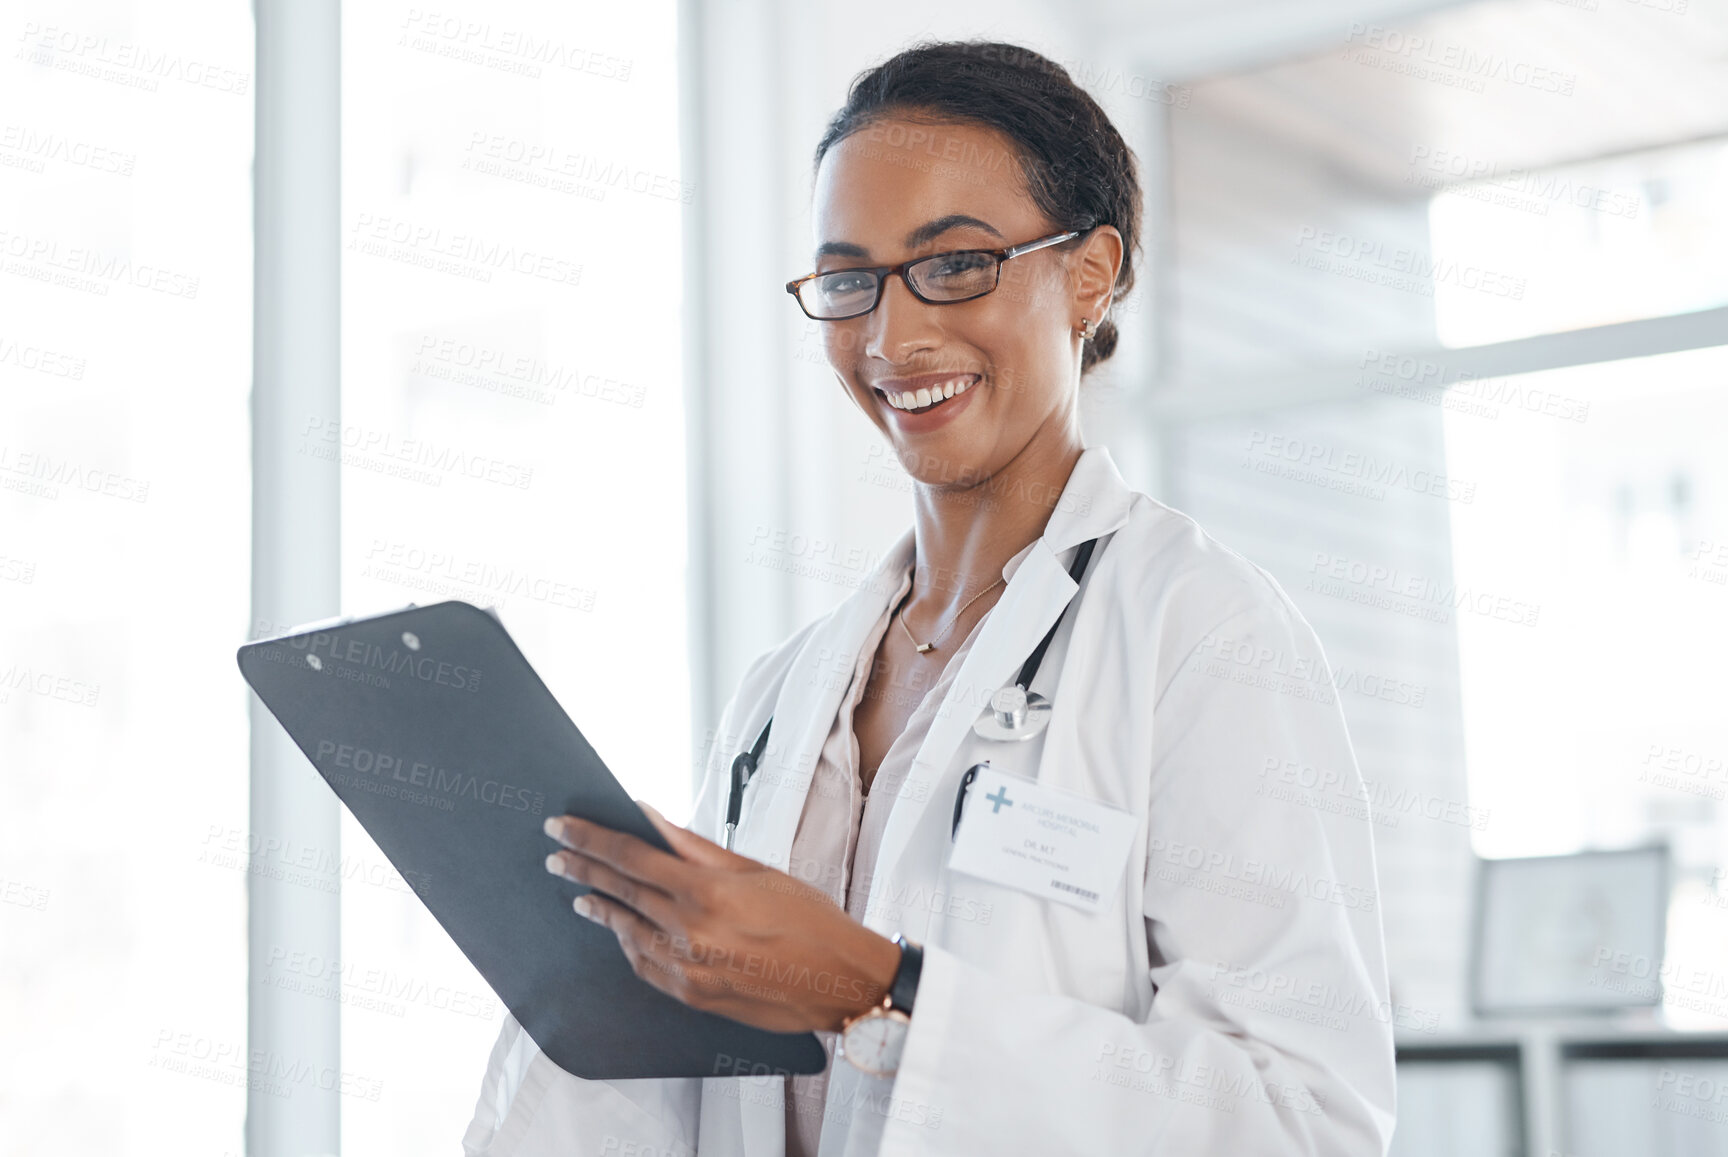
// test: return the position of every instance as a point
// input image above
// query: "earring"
(1087, 329)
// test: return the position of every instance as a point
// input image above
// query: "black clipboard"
(433, 729)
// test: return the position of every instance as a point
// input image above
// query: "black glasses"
(940, 279)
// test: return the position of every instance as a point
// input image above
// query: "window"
(511, 431)
(1445, 353)
(125, 362)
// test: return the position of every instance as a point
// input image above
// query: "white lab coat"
(1233, 1000)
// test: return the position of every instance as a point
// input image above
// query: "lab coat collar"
(1093, 502)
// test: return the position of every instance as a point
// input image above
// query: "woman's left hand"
(722, 932)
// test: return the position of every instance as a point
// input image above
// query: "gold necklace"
(931, 645)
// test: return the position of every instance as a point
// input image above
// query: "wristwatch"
(874, 1039)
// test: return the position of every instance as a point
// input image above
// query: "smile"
(924, 400)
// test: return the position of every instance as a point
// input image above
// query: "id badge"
(1051, 842)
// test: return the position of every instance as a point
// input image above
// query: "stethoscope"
(1013, 714)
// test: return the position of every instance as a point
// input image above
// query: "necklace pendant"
(922, 647)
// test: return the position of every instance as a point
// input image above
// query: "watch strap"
(904, 987)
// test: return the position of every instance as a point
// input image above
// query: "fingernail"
(552, 827)
(583, 907)
(555, 864)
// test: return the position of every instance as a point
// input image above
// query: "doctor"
(1178, 951)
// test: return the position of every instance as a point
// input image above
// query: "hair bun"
(1102, 345)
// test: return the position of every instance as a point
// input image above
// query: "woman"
(1223, 989)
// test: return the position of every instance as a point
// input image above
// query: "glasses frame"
(884, 272)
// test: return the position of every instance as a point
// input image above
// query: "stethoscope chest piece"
(1013, 714)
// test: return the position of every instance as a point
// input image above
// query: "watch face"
(874, 1043)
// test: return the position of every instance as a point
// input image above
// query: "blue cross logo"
(997, 800)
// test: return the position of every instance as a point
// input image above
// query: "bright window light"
(1635, 236)
(512, 435)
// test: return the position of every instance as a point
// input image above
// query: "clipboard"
(433, 729)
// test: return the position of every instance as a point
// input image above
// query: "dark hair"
(1076, 167)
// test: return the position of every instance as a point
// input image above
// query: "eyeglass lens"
(944, 277)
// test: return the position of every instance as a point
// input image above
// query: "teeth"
(917, 399)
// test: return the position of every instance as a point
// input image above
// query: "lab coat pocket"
(1041, 943)
(1047, 841)
(556, 1113)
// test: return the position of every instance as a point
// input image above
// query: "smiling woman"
(1023, 282)
(1107, 944)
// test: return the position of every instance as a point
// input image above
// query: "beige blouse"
(840, 829)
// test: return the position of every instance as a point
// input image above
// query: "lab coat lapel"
(1032, 601)
(1094, 502)
(803, 715)
(808, 700)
